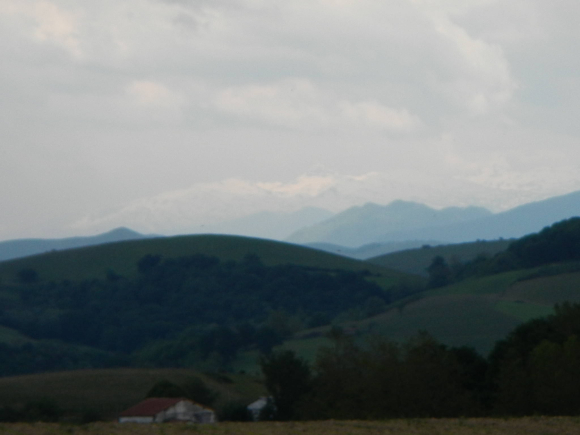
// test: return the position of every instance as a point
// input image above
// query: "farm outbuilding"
(162, 409)
(256, 408)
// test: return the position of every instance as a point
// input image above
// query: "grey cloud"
(130, 99)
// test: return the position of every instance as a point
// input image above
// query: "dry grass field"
(487, 426)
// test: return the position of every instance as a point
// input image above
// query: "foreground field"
(107, 392)
(488, 426)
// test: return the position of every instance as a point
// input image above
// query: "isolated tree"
(439, 272)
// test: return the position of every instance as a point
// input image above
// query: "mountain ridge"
(409, 221)
(514, 223)
(17, 248)
(365, 224)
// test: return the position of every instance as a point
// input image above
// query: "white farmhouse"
(255, 408)
(162, 409)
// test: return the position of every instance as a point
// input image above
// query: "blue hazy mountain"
(516, 222)
(402, 221)
(367, 224)
(24, 247)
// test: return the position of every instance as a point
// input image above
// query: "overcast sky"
(163, 115)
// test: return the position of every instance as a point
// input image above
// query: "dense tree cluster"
(535, 370)
(185, 311)
(558, 244)
(381, 379)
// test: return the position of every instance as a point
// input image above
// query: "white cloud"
(153, 95)
(494, 182)
(55, 24)
(208, 203)
(292, 102)
(483, 80)
(298, 103)
(46, 23)
(373, 114)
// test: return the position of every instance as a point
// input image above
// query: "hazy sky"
(162, 115)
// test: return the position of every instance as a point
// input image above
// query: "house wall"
(186, 411)
(255, 408)
(205, 416)
(181, 411)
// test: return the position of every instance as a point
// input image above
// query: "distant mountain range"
(24, 247)
(359, 232)
(517, 222)
(371, 223)
(403, 221)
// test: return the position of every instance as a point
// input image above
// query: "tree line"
(535, 370)
(195, 310)
(555, 249)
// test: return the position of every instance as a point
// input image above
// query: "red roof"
(151, 407)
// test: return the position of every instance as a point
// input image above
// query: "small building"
(164, 409)
(257, 408)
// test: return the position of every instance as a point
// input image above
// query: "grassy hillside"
(476, 312)
(547, 290)
(24, 247)
(373, 249)
(12, 336)
(416, 261)
(108, 392)
(182, 310)
(95, 262)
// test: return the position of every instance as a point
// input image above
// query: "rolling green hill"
(417, 260)
(477, 312)
(522, 281)
(18, 248)
(197, 311)
(180, 301)
(122, 257)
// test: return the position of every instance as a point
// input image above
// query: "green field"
(467, 426)
(462, 320)
(109, 391)
(475, 312)
(12, 336)
(122, 257)
(416, 261)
